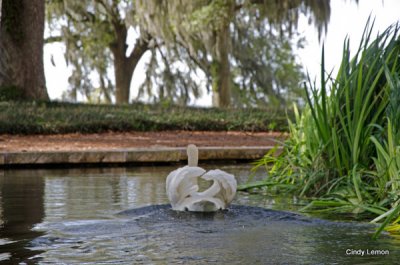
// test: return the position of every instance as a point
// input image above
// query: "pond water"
(91, 216)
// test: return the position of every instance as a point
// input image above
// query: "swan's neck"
(193, 155)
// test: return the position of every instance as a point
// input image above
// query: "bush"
(54, 117)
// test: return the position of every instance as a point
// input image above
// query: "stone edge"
(135, 155)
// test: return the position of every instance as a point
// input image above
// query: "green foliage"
(264, 67)
(387, 174)
(394, 228)
(338, 151)
(387, 162)
(213, 14)
(46, 118)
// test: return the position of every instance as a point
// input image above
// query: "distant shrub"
(55, 117)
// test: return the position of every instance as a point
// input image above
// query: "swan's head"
(193, 155)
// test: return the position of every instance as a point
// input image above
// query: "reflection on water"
(21, 207)
(98, 195)
(70, 216)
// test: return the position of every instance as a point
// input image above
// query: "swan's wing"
(211, 191)
(227, 181)
(169, 179)
(182, 182)
(171, 186)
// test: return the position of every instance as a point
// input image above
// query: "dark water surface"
(90, 216)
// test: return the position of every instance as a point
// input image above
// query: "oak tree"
(95, 34)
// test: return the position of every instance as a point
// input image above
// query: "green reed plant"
(337, 152)
(387, 163)
(387, 176)
(394, 228)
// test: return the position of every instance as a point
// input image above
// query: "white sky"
(347, 19)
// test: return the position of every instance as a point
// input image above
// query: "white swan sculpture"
(183, 189)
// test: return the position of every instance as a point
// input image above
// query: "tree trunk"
(0, 9)
(221, 73)
(21, 48)
(221, 68)
(123, 65)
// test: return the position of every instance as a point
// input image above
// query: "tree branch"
(202, 63)
(112, 11)
(141, 46)
(53, 39)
